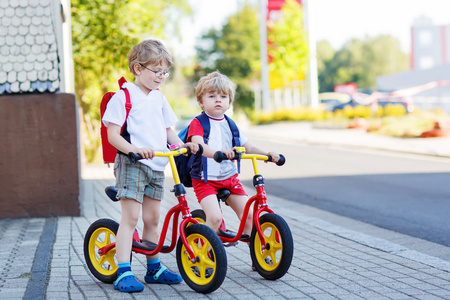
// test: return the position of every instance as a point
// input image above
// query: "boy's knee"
(130, 221)
(150, 221)
(214, 221)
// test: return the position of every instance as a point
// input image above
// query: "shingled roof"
(29, 60)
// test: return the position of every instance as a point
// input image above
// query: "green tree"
(103, 32)
(234, 51)
(360, 61)
(325, 55)
(288, 44)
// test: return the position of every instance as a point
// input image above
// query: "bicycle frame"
(182, 207)
(259, 201)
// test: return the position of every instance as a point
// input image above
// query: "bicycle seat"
(231, 234)
(111, 192)
(148, 246)
(223, 194)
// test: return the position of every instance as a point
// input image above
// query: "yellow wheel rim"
(104, 264)
(200, 221)
(202, 271)
(270, 257)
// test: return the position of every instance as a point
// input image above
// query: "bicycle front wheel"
(207, 273)
(273, 259)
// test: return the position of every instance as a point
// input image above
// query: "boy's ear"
(137, 69)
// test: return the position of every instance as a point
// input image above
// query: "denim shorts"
(133, 181)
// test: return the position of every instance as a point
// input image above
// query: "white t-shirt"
(220, 138)
(147, 122)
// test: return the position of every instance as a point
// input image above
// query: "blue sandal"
(162, 275)
(127, 283)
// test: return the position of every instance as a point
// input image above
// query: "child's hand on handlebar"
(275, 157)
(230, 153)
(192, 146)
(145, 152)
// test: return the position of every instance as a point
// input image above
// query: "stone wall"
(39, 156)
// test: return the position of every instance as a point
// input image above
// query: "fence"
(285, 98)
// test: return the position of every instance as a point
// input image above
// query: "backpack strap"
(204, 122)
(235, 131)
(121, 81)
(128, 105)
(127, 102)
(236, 140)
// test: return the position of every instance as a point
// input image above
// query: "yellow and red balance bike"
(271, 244)
(201, 257)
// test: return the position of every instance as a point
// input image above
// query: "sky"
(207, 14)
(337, 21)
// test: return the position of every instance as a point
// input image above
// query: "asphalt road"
(409, 194)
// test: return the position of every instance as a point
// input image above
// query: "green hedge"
(309, 114)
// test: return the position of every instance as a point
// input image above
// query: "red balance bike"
(271, 244)
(200, 254)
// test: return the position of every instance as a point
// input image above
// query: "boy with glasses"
(147, 129)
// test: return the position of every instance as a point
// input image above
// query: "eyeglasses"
(158, 73)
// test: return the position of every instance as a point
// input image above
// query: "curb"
(39, 273)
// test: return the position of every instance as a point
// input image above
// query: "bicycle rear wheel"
(199, 215)
(101, 233)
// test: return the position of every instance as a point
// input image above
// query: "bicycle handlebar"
(280, 161)
(134, 157)
(219, 156)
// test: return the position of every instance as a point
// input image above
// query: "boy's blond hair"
(148, 52)
(215, 82)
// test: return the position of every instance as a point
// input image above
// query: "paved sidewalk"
(43, 258)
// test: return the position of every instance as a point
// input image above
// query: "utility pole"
(311, 79)
(263, 54)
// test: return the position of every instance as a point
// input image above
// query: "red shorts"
(203, 189)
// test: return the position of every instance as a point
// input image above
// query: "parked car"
(331, 99)
(382, 101)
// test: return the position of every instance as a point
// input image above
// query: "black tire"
(101, 233)
(199, 215)
(274, 261)
(208, 272)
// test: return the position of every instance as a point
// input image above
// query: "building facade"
(39, 146)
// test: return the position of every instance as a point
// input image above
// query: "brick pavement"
(330, 262)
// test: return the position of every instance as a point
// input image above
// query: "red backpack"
(109, 151)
